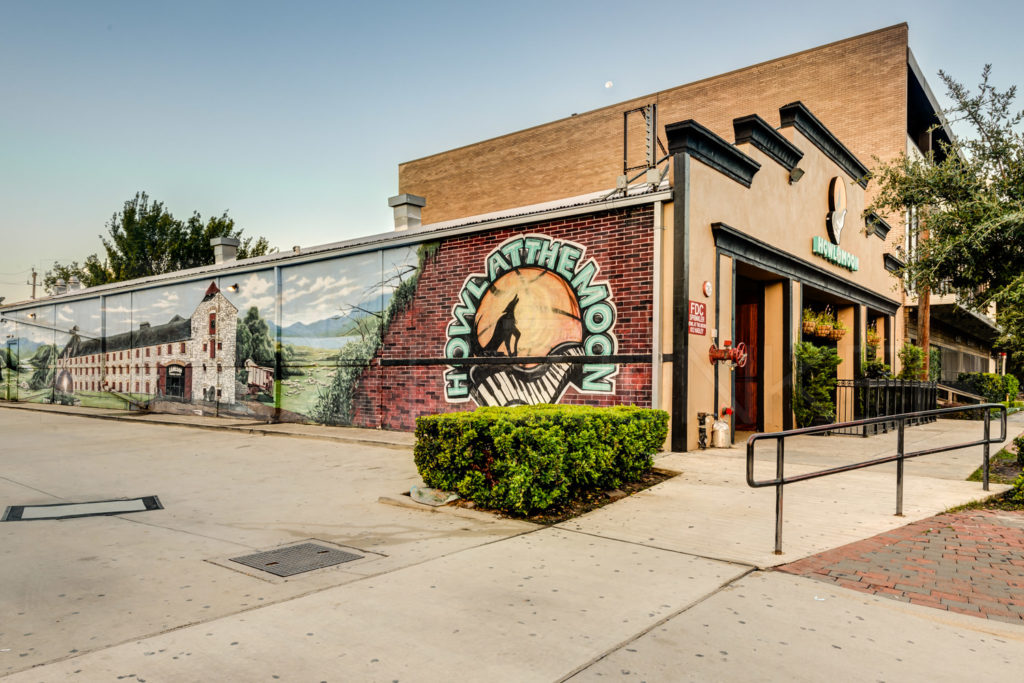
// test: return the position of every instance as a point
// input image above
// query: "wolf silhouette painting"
(505, 332)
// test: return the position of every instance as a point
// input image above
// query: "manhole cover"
(296, 559)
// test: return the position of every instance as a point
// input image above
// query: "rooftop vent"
(407, 210)
(224, 249)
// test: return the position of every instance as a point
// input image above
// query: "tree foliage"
(972, 204)
(815, 380)
(145, 239)
(253, 342)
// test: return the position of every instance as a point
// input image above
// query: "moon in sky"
(608, 84)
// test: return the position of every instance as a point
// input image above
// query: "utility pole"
(33, 283)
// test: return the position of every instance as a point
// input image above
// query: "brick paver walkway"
(970, 562)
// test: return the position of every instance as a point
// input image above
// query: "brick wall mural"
(557, 311)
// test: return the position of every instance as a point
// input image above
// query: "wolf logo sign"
(538, 299)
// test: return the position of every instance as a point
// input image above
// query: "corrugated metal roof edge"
(588, 203)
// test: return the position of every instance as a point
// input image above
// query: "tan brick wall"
(856, 87)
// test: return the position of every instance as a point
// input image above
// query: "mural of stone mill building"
(184, 358)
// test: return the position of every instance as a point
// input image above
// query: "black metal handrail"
(901, 420)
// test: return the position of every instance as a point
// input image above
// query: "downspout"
(656, 352)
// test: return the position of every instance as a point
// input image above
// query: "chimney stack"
(224, 249)
(407, 210)
(74, 284)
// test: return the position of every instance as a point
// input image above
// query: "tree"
(145, 239)
(972, 203)
(253, 341)
(815, 381)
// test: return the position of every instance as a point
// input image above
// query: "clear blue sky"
(294, 116)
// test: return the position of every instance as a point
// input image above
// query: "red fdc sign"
(698, 318)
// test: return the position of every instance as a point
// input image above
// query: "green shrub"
(1018, 443)
(912, 360)
(1016, 494)
(934, 364)
(530, 458)
(815, 380)
(1012, 386)
(988, 384)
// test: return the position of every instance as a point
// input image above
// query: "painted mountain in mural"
(341, 325)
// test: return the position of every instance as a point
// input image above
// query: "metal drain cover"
(296, 559)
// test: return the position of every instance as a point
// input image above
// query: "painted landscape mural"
(289, 343)
(554, 312)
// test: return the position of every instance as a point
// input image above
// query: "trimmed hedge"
(993, 387)
(529, 458)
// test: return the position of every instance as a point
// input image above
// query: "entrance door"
(749, 295)
(175, 381)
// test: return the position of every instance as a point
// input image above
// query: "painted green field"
(300, 393)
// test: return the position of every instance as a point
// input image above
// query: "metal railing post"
(985, 449)
(899, 467)
(780, 445)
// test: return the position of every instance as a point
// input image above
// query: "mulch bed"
(592, 501)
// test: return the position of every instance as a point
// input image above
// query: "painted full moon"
(546, 315)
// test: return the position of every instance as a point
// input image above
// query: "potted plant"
(810, 321)
(873, 338)
(838, 330)
(825, 323)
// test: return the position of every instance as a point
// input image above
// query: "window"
(136, 353)
(213, 350)
(136, 386)
(205, 346)
(182, 349)
(213, 323)
(169, 351)
(158, 350)
(147, 352)
(220, 346)
(136, 369)
(204, 368)
(218, 392)
(147, 387)
(121, 356)
(218, 367)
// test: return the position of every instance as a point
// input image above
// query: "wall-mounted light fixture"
(233, 288)
(32, 315)
(796, 174)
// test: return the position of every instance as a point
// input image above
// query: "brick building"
(541, 267)
(182, 358)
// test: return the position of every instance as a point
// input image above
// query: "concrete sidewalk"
(662, 585)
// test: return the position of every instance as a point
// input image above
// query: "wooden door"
(747, 378)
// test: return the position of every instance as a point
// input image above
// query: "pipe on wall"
(656, 354)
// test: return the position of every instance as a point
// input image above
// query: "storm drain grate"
(296, 559)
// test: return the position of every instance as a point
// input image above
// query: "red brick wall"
(620, 241)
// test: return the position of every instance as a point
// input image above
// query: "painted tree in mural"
(43, 363)
(335, 401)
(145, 239)
(972, 204)
(253, 342)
